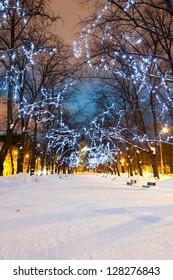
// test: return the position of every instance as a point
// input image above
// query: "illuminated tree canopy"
(129, 43)
(125, 48)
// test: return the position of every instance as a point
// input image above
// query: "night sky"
(70, 12)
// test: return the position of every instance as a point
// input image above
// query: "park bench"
(131, 182)
(149, 184)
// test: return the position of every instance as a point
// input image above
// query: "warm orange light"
(165, 129)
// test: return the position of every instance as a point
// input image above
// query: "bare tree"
(17, 52)
(131, 43)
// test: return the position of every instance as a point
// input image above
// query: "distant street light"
(163, 131)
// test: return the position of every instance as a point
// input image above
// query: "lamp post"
(163, 131)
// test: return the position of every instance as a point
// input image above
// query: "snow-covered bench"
(131, 182)
(149, 184)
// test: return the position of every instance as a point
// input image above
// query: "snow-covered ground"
(85, 216)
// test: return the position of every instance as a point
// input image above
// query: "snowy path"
(84, 217)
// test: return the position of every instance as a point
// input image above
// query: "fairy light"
(41, 106)
(27, 49)
(130, 3)
(64, 140)
(139, 68)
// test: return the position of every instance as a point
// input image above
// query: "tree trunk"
(42, 162)
(130, 170)
(129, 160)
(154, 165)
(33, 147)
(21, 155)
(12, 163)
(10, 127)
(139, 163)
(154, 161)
(52, 165)
(22, 147)
(117, 168)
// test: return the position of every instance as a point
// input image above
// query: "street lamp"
(163, 131)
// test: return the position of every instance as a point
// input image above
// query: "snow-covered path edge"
(86, 216)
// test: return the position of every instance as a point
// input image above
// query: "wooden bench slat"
(151, 183)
